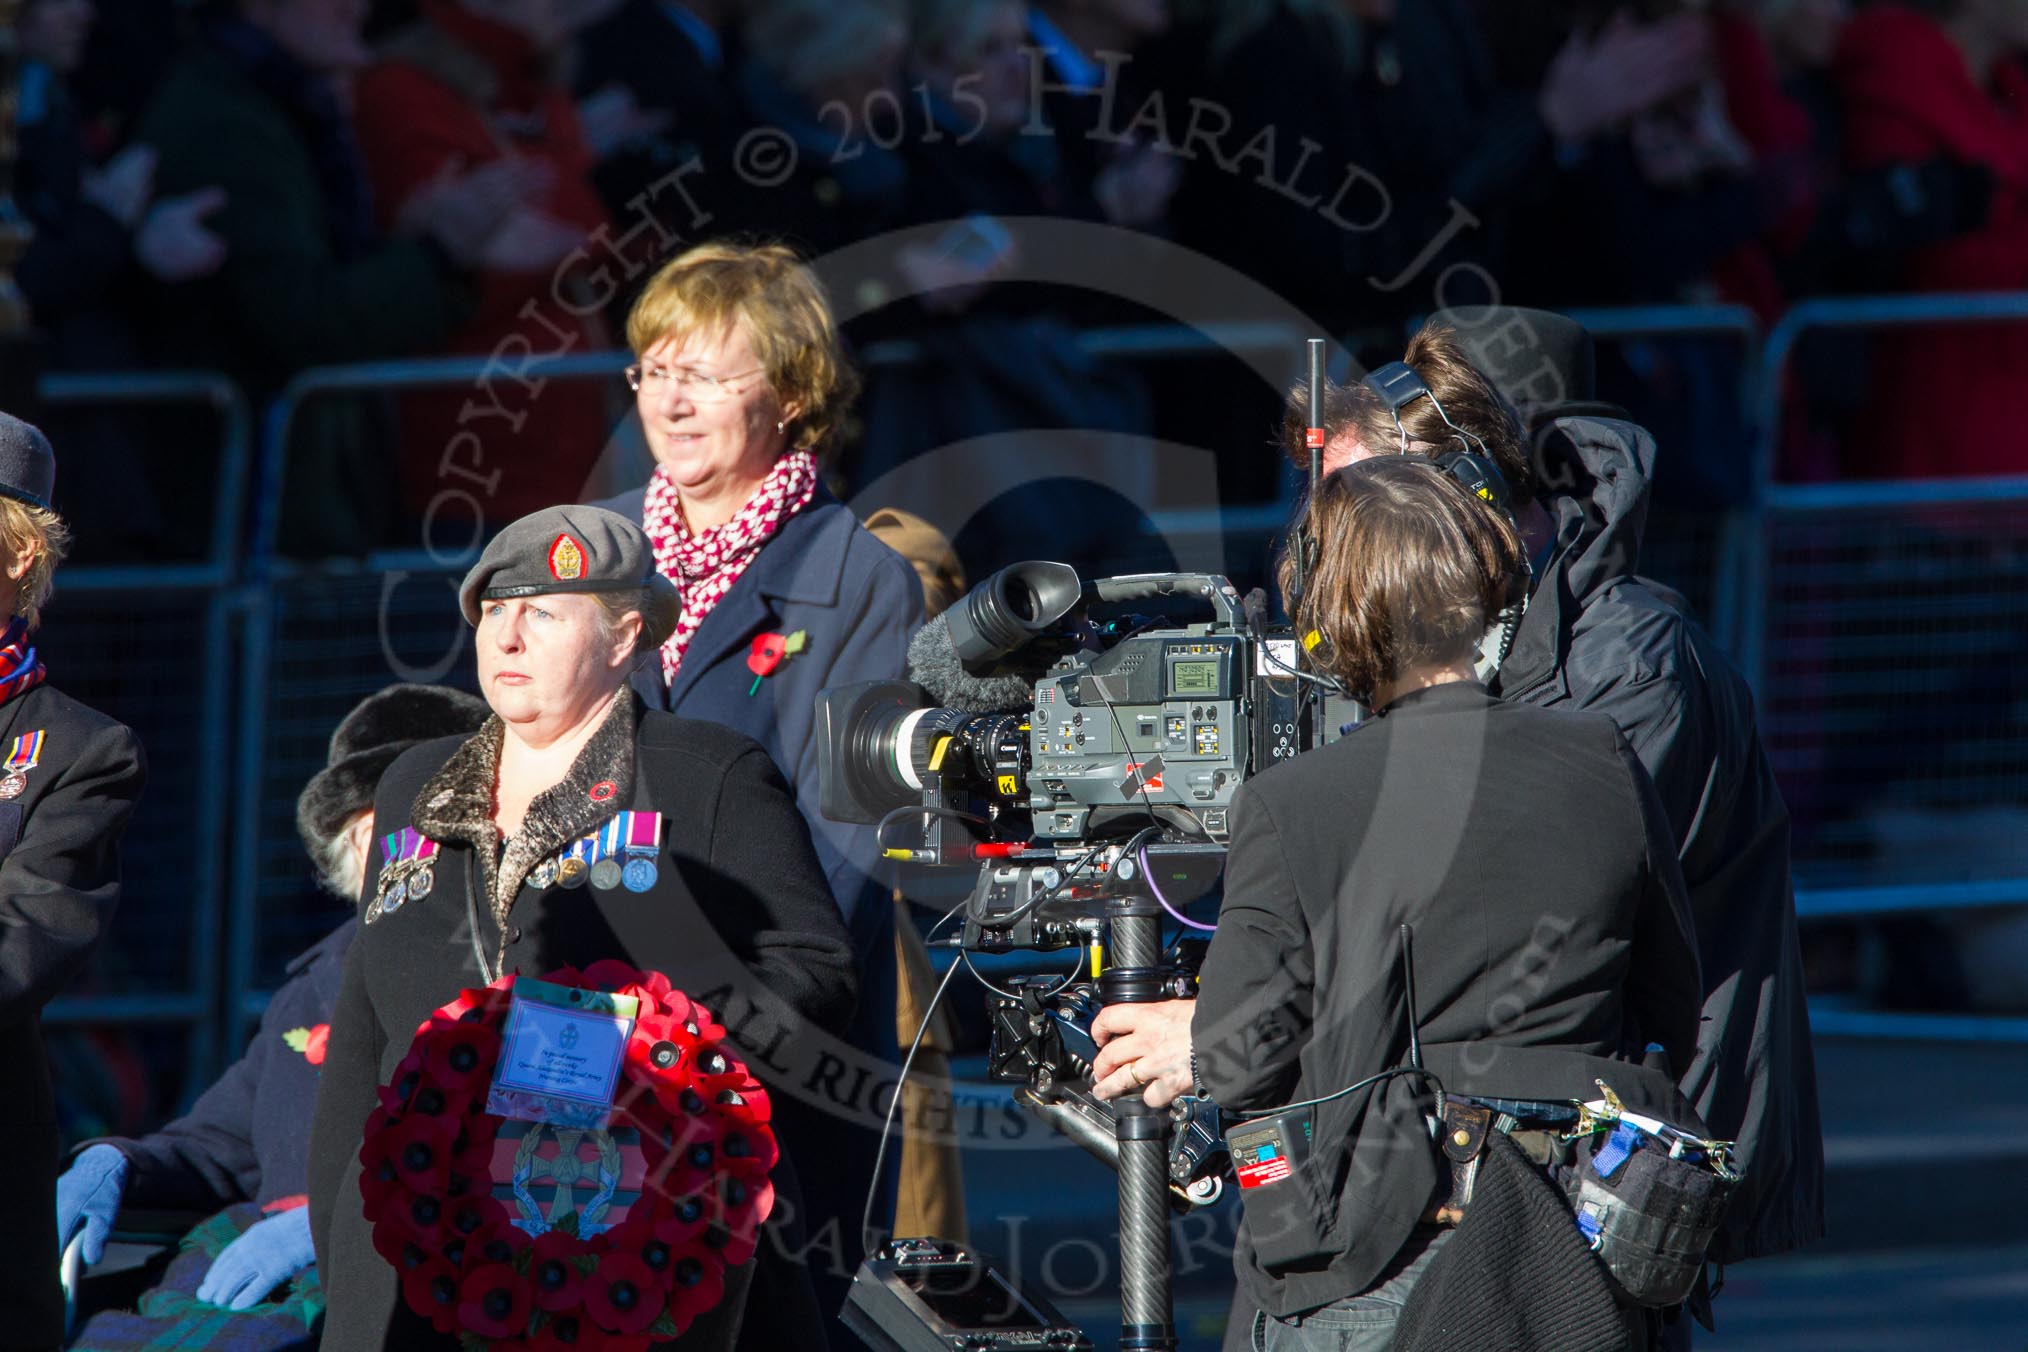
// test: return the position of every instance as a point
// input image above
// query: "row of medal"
(619, 854)
(408, 875)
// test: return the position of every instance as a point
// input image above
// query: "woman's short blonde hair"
(774, 295)
(21, 524)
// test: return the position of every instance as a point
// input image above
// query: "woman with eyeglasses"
(741, 385)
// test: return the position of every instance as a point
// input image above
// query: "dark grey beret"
(573, 549)
(379, 728)
(1536, 358)
(27, 464)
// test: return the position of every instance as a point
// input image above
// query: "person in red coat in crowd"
(1919, 84)
(471, 82)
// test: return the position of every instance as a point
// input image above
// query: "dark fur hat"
(380, 728)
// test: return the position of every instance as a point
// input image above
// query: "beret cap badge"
(566, 559)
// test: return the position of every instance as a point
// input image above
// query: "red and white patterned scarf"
(704, 567)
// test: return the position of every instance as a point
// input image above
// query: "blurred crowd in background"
(262, 186)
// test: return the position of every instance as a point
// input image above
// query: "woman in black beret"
(708, 878)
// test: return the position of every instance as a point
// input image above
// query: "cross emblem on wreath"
(568, 1172)
(568, 1037)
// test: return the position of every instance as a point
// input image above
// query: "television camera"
(1083, 758)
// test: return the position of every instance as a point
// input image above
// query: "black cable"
(1061, 986)
(1258, 1114)
(1414, 1043)
(1026, 908)
(880, 1157)
(908, 1063)
(1330, 683)
(894, 1104)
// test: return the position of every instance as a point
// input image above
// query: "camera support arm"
(1147, 1301)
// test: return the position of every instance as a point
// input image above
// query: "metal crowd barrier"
(159, 672)
(1882, 623)
(303, 667)
(290, 695)
(1697, 552)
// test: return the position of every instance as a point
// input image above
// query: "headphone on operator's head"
(1468, 462)
(1397, 385)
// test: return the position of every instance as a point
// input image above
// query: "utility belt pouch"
(1649, 1197)
(1289, 1171)
(1462, 1136)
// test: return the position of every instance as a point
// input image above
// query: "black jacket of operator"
(1552, 944)
(738, 917)
(1597, 637)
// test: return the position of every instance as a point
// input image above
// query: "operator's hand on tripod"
(1143, 1048)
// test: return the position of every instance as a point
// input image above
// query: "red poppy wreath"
(524, 1235)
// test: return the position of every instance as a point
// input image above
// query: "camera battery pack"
(1267, 1150)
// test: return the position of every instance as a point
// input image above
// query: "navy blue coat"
(857, 603)
(247, 1137)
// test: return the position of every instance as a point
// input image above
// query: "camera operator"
(1597, 637)
(1529, 852)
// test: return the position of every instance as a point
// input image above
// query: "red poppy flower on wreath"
(377, 1176)
(500, 1242)
(395, 1094)
(401, 1245)
(554, 1273)
(740, 1207)
(623, 1295)
(459, 1057)
(432, 1290)
(698, 1286)
(514, 1251)
(636, 1236)
(687, 1220)
(478, 1003)
(493, 1302)
(420, 1150)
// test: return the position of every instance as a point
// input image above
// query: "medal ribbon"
(394, 846)
(27, 750)
(400, 847)
(644, 831)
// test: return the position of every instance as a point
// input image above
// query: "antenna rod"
(1313, 438)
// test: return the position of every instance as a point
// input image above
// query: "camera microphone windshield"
(933, 664)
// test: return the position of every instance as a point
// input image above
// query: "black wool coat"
(59, 883)
(1552, 944)
(738, 917)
